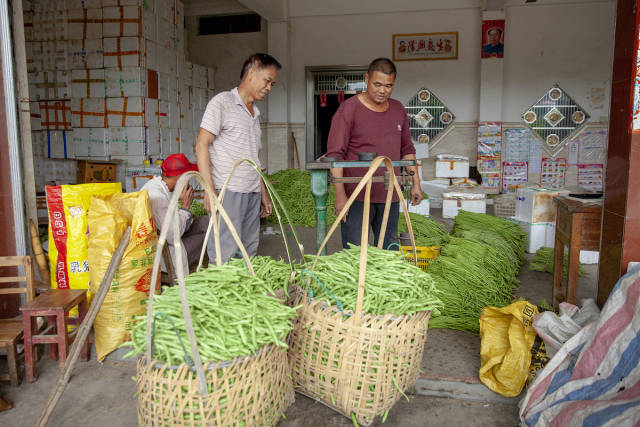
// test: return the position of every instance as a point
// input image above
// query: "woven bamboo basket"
(358, 364)
(251, 390)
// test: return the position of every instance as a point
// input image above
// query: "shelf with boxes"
(108, 79)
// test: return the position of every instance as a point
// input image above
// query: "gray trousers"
(193, 238)
(244, 211)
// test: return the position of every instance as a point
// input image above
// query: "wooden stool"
(53, 304)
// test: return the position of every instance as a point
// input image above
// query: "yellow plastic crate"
(426, 254)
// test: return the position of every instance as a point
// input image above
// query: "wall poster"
(493, 39)
(553, 172)
(513, 174)
(591, 177)
(423, 46)
(489, 154)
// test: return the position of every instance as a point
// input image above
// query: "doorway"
(325, 87)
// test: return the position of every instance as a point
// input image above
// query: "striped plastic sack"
(594, 379)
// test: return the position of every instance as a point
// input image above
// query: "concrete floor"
(103, 394)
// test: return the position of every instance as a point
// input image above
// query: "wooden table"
(578, 227)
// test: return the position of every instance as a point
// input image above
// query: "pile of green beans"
(426, 231)
(294, 188)
(392, 286)
(499, 232)
(271, 271)
(469, 276)
(231, 312)
(544, 261)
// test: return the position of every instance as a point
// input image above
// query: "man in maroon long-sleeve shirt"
(371, 122)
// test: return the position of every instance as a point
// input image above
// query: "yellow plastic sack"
(68, 207)
(507, 336)
(109, 217)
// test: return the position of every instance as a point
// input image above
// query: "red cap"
(177, 164)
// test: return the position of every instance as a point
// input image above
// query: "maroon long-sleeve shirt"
(355, 128)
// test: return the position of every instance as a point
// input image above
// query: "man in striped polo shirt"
(230, 131)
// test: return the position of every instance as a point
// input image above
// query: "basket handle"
(273, 196)
(172, 214)
(367, 181)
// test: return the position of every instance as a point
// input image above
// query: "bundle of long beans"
(392, 285)
(232, 316)
(544, 261)
(426, 231)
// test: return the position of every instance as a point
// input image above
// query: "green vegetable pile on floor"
(197, 209)
(543, 261)
(271, 270)
(426, 231)
(294, 188)
(392, 284)
(231, 312)
(476, 268)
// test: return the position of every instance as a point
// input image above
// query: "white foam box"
(58, 144)
(210, 94)
(27, 18)
(421, 209)
(166, 31)
(34, 112)
(48, 85)
(129, 3)
(130, 81)
(452, 168)
(49, 25)
(128, 21)
(536, 204)
(127, 141)
(187, 142)
(167, 87)
(589, 257)
(55, 115)
(202, 97)
(183, 93)
(165, 141)
(453, 201)
(138, 175)
(152, 61)
(85, 54)
(151, 116)
(197, 119)
(153, 141)
(83, 4)
(211, 78)
(88, 113)
(172, 87)
(83, 24)
(186, 117)
(185, 71)
(88, 84)
(174, 115)
(46, 55)
(539, 234)
(90, 142)
(164, 114)
(125, 112)
(199, 76)
(122, 52)
(165, 10)
(434, 190)
(48, 5)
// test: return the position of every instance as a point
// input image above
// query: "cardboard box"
(452, 168)
(36, 122)
(88, 113)
(58, 144)
(127, 141)
(55, 115)
(466, 199)
(130, 81)
(49, 25)
(125, 112)
(84, 24)
(90, 142)
(85, 54)
(46, 85)
(88, 84)
(128, 21)
(536, 204)
(121, 52)
(96, 171)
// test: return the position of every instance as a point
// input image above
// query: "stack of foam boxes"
(108, 79)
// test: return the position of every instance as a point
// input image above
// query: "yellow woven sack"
(506, 339)
(68, 207)
(109, 217)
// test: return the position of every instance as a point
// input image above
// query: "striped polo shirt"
(237, 137)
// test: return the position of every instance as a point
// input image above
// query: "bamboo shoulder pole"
(83, 330)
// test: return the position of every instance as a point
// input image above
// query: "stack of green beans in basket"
(234, 314)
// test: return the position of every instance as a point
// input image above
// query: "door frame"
(310, 73)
